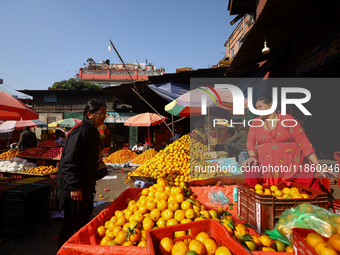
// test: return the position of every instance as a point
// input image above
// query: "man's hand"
(77, 195)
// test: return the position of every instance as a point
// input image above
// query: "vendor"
(60, 136)
(138, 148)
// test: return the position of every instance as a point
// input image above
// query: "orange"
(142, 235)
(179, 198)
(305, 195)
(155, 214)
(297, 195)
(162, 205)
(145, 192)
(168, 214)
(126, 227)
(121, 221)
(258, 187)
(202, 236)
(143, 244)
(142, 209)
(314, 238)
(164, 196)
(219, 210)
(109, 233)
(134, 235)
(116, 230)
(179, 248)
(109, 225)
(113, 219)
(179, 233)
(179, 215)
(259, 191)
(161, 182)
(121, 237)
(286, 191)
(205, 214)
(127, 243)
(112, 243)
(173, 205)
(190, 214)
(172, 222)
(334, 241)
(119, 213)
(213, 213)
(105, 240)
(100, 232)
(273, 188)
(186, 205)
(138, 217)
(289, 249)
(278, 193)
(266, 240)
(222, 250)
(185, 221)
(161, 223)
(135, 224)
(197, 246)
(210, 246)
(150, 205)
(256, 241)
(128, 213)
(127, 201)
(324, 249)
(148, 223)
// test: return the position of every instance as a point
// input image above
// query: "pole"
(208, 131)
(136, 91)
(173, 128)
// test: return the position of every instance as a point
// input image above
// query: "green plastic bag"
(306, 216)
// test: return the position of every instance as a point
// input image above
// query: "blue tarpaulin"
(170, 90)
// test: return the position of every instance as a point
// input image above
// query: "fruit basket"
(263, 211)
(213, 228)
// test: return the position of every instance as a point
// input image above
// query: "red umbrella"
(23, 112)
(9, 103)
(11, 125)
(145, 120)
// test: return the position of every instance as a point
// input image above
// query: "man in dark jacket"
(238, 142)
(27, 139)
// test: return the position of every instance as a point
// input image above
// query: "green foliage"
(74, 84)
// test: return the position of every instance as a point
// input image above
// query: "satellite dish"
(107, 61)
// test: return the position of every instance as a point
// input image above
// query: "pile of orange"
(285, 193)
(145, 156)
(41, 170)
(201, 245)
(323, 247)
(172, 163)
(121, 156)
(9, 154)
(160, 205)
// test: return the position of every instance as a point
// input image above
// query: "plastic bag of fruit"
(307, 216)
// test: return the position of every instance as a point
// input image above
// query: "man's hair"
(27, 128)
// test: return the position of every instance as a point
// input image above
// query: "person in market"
(176, 135)
(238, 142)
(27, 139)
(80, 166)
(138, 148)
(60, 136)
(284, 146)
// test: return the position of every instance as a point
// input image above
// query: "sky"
(43, 42)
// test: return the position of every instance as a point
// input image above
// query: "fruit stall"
(182, 213)
(28, 190)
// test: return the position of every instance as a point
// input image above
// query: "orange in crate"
(214, 229)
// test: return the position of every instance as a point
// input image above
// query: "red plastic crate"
(213, 228)
(300, 246)
(336, 206)
(263, 211)
(337, 158)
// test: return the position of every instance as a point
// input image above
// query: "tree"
(74, 84)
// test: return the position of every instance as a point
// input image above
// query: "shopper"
(279, 152)
(27, 139)
(79, 169)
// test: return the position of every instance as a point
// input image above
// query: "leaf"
(276, 235)
(246, 225)
(246, 238)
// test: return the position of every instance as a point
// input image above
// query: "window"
(240, 43)
(50, 120)
(232, 52)
(50, 98)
